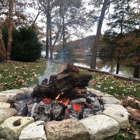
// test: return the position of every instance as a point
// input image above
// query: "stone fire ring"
(99, 127)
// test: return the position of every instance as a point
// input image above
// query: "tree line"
(63, 17)
(122, 39)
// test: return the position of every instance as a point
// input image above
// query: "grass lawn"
(20, 74)
(113, 85)
(15, 74)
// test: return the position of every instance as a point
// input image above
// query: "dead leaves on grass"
(113, 85)
(18, 74)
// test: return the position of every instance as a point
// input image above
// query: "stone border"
(99, 127)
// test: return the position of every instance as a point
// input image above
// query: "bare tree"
(70, 17)
(98, 33)
(9, 44)
(46, 6)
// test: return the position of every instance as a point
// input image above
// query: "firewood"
(69, 80)
(135, 114)
(41, 91)
(132, 102)
(69, 68)
(63, 83)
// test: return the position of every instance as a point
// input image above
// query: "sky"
(92, 31)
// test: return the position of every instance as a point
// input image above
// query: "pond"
(84, 60)
(106, 67)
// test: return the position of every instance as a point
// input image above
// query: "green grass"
(15, 74)
(112, 85)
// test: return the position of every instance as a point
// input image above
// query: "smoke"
(51, 69)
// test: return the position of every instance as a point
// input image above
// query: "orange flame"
(77, 107)
(46, 100)
(57, 96)
(65, 101)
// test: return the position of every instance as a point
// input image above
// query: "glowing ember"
(77, 107)
(65, 101)
(46, 100)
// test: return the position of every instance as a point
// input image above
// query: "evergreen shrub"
(25, 46)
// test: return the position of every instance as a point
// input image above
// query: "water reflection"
(84, 61)
(107, 67)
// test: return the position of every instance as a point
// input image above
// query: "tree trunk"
(136, 71)
(118, 57)
(63, 33)
(9, 44)
(2, 48)
(47, 34)
(118, 65)
(64, 40)
(137, 67)
(98, 33)
(51, 48)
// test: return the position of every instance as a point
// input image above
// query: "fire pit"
(62, 108)
(63, 96)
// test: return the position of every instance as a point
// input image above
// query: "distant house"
(43, 54)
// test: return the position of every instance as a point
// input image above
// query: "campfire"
(62, 96)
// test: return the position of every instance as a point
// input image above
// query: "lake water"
(84, 61)
(106, 67)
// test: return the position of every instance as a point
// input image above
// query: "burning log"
(42, 91)
(66, 82)
(69, 68)
(63, 83)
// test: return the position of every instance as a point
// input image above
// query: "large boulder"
(100, 127)
(6, 113)
(11, 128)
(34, 131)
(119, 113)
(13, 94)
(3, 99)
(4, 105)
(69, 129)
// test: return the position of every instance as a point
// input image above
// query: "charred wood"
(62, 83)
(41, 91)
(69, 68)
